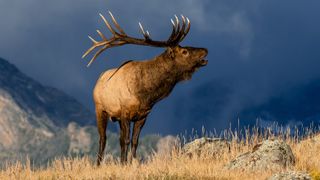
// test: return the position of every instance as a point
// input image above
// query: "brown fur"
(127, 94)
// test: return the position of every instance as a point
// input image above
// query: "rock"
(167, 145)
(206, 147)
(291, 175)
(269, 155)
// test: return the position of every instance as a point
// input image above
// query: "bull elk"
(127, 94)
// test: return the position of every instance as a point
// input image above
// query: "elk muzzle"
(203, 55)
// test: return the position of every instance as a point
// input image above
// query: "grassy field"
(174, 165)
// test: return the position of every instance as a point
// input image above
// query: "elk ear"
(171, 52)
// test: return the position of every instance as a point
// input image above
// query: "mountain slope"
(40, 100)
(15, 124)
(34, 118)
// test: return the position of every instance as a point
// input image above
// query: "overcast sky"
(259, 48)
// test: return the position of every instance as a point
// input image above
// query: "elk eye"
(185, 52)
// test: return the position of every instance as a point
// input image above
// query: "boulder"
(268, 155)
(206, 147)
(290, 175)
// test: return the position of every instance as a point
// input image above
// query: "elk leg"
(102, 120)
(124, 139)
(135, 136)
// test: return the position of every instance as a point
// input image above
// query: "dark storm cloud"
(257, 48)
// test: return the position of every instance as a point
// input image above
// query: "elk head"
(188, 57)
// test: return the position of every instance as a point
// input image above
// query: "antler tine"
(184, 23)
(119, 43)
(172, 22)
(182, 30)
(177, 23)
(101, 35)
(148, 34)
(93, 40)
(97, 54)
(186, 31)
(116, 24)
(107, 24)
(95, 45)
(188, 28)
(173, 33)
(91, 48)
(88, 51)
(145, 33)
(141, 28)
(104, 39)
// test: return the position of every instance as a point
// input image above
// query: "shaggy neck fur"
(160, 76)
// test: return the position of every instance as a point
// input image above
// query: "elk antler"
(120, 38)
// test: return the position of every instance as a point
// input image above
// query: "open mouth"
(203, 62)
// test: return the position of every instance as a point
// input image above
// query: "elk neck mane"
(159, 75)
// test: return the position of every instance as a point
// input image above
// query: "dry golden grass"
(173, 165)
